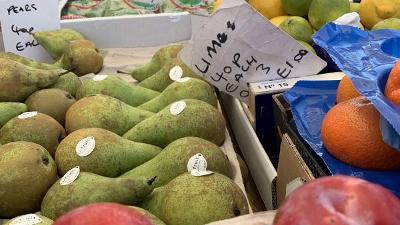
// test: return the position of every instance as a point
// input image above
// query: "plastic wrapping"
(367, 57)
(310, 101)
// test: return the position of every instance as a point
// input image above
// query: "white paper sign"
(237, 46)
(19, 19)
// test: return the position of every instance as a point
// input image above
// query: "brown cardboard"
(292, 170)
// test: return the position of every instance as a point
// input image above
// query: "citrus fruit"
(339, 200)
(392, 89)
(350, 132)
(346, 90)
(268, 8)
(297, 27)
(278, 20)
(322, 12)
(391, 23)
(373, 11)
(307, 46)
(296, 7)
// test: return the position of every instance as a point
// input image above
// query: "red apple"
(340, 200)
(103, 214)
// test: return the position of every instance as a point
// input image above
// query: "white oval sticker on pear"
(197, 162)
(177, 107)
(99, 77)
(85, 146)
(199, 173)
(176, 73)
(28, 219)
(183, 80)
(70, 176)
(27, 115)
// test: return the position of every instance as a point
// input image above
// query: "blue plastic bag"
(367, 57)
(309, 102)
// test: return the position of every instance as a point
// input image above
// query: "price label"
(238, 46)
(197, 162)
(175, 73)
(28, 219)
(27, 115)
(100, 77)
(70, 176)
(19, 19)
(177, 107)
(85, 146)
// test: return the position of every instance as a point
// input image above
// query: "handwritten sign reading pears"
(19, 19)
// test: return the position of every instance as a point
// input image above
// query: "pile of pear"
(138, 139)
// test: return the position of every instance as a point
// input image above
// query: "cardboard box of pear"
(120, 58)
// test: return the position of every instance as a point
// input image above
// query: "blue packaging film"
(309, 102)
(367, 58)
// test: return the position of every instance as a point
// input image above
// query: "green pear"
(197, 200)
(162, 56)
(56, 41)
(189, 88)
(9, 110)
(53, 102)
(161, 80)
(154, 219)
(116, 87)
(81, 57)
(18, 81)
(186, 118)
(91, 188)
(173, 160)
(111, 154)
(101, 111)
(69, 82)
(33, 127)
(27, 61)
(45, 220)
(391, 23)
(27, 172)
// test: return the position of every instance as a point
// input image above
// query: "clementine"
(346, 90)
(350, 132)
(392, 89)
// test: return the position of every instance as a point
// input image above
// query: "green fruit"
(101, 111)
(18, 81)
(111, 157)
(27, 172)
(197, 200)
(322, 12)
(27, 61)
(198, 119)
(115, 87)
(56, 41)
(162, 56)
(190, 89)
(53, 102)
(45, 220)
(154, 219)
(9, 110)
(173, 160)
(161, 80)
(296, 7)
(391, 23)
(91, 188)
(298, 28)
(39, 128)
(307, 46)
(81, 57)
(354, 7)
(68, 82)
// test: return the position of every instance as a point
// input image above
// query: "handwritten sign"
(238, 46)
(19, 19)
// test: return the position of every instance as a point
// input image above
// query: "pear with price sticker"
(76, 189)
(182, 88)
(180, 155)
(159, 59)
(163, 78)
(197, 200)
(27, 172)
(18, 81)
(186, 118)
(102, 152)
(114, 86)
